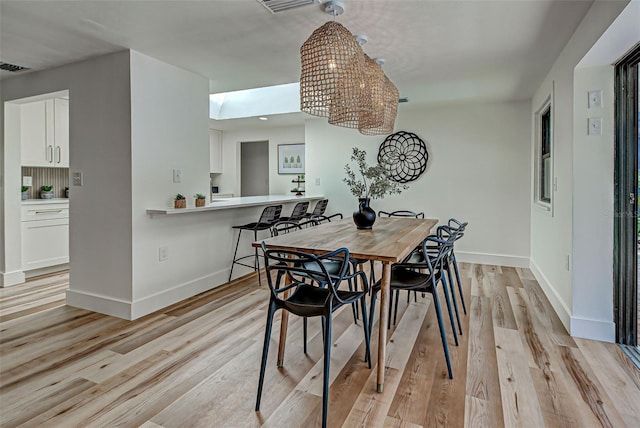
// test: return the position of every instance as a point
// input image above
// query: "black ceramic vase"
(364, 216)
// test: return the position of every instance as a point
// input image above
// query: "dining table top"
(390, 240)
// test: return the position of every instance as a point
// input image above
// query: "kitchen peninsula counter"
(240, 202)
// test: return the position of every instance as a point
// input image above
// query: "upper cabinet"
(44, 133)
(215, 151)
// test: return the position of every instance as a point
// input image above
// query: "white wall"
(99, 140)
(169, 130)
(278, 184)
(478, 171)
(553, 238)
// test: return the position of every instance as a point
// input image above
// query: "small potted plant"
(179, 201)
(25, 193)
(200, 200)
(46, 192)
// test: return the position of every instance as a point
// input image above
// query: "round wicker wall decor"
(405, 156)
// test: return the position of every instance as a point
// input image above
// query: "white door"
(254, 168)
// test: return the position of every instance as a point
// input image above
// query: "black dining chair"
(406, 214)
(300, 284)
(460, 227)
(423, 277)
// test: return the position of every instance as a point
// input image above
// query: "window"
(543, 192)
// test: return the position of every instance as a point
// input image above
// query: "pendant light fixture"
(340, 82)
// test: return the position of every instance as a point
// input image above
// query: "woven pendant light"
(391, 96)
(372, 115)
(329, 57)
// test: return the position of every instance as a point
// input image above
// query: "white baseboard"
(558, 304)
(178, 293)
(46, 270)
(139, 308)
(7, 279)
(492, 259)
(604, 331)
(101, 304)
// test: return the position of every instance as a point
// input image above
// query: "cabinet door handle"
(59, 153)
(50, 157)
(48, 211)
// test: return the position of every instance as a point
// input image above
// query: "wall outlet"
(317, 181)
(177, 176)
(27, 181)
(595, 99)
(76, 178)
(595, 126)
(163, 253)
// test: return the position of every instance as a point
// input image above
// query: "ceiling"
(435, 51)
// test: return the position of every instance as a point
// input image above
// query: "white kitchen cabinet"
(45, 235)
(44, 133)
(215, 151)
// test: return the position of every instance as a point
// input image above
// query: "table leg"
(284, 321)
(382, 327)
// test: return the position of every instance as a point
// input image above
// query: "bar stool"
(319, 209)
(269, 215)
(299, 212)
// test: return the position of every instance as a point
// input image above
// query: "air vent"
(403, 100)
(277, 6)
(12, 67)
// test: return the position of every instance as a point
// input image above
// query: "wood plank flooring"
(196, 364)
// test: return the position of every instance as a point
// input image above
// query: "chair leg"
(448, 301)
(443, 336)
(257, 259)
(455, 269)
(367, 332)
(265, 350)
(304, 333)
(235, 253)
(354, 307)
(327, 361)
(395, 308)
(390, 309)
(455, 301)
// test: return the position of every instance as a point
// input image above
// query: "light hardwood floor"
(196, 364)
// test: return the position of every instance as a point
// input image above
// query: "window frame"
(539, 199)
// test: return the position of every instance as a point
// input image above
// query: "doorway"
(254, 168)
(627, 175)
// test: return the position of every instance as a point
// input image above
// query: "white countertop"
(46, 201)
(241, 202)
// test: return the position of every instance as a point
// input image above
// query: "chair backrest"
(439, 250)
(401, 213)
(270, 214)
(457, 224)
(321, 207)
(299, 211)
(297, 268)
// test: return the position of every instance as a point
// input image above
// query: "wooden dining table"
(390, 241)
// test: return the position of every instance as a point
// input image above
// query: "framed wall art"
(291, 159)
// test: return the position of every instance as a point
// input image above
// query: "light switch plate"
(595, 99)
(595, 126)
(177, 175)
(77, 178)
(27, 181)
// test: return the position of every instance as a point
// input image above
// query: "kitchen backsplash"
(56, 177)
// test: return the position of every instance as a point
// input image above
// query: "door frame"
(625, 257)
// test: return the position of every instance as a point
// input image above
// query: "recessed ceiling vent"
(277, 6)
(403, 100)
(12, 67)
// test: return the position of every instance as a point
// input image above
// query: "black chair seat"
(309, 300)
(407, 279)
(253, 226)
